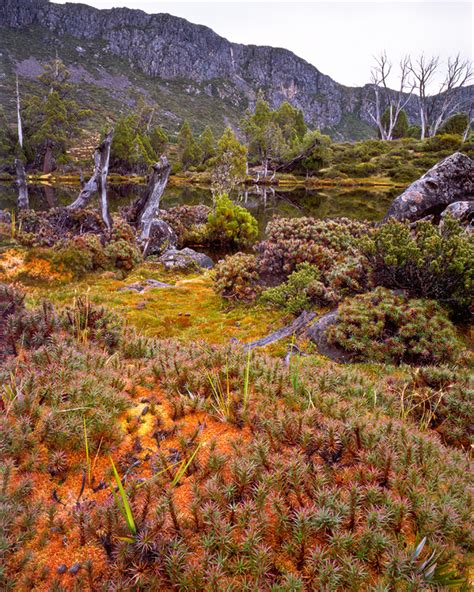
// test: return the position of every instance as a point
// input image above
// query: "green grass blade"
(124, 505)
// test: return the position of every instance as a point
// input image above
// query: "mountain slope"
(188, 69)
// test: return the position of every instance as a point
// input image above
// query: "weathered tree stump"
(23, 200)
(98, 181)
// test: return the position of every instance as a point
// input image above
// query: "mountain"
(188, 70)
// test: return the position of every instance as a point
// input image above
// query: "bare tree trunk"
(102, 186)
(48, 162)
(143, 210)
(18, 115)
(23, 201)
(97, 182)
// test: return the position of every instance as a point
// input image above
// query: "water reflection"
(263, 202)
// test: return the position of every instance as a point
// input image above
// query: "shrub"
(427, 261)
(122, 254)
(231, 224)
(291, 241)
(381, 326)
(441, 142)
(295, 294)
(189, 223)
(236, 277)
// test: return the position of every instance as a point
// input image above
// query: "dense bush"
(427, 261)
(230, 224)
(294, 295)
(440, 142)
(382, 326)
(236, 277)
(321, 243)
(189, 223)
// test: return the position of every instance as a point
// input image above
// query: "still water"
(263, 202)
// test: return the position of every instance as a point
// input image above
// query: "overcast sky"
(339, 38)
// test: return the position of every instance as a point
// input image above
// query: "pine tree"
(52, 119)
(158, 140)
(188, 149)
(207, 143)
(230, 164)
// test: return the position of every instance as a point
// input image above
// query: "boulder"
(185, 259)
(449, 181)
(461, 210)
(143, 286)
(317, 334)
(162, 237)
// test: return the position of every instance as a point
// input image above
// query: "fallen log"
(291, 164)
(23, 200)
(298, 325)
(98, 181)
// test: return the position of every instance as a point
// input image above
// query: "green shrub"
(381, 326)
(291, 241)
(122, 254)
(294, 295)
(449, 142)
(427, 261)
(236, 277)
(230, 224)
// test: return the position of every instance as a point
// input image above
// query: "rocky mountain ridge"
(168, 49)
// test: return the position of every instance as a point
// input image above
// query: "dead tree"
(23, 201)
(393, 100)
(143, 211)
(98, 181)
(423, 71)
(448, 100)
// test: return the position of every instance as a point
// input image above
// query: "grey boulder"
(449, 181)
(185, 259)
(162, 237)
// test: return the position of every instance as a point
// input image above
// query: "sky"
(339, 38)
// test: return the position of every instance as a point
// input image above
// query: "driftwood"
(291, 164)
(23, 201)
(98, 181)
(295, 327)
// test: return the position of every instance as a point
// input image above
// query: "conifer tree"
(230, 164)
(188, 148)
(207, 143)
(53, 118)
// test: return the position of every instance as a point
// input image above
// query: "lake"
(263, 202)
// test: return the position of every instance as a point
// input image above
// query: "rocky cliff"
(170, 49)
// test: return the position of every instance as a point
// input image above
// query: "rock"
(5, 217)
(74, 568)
(143, 286)
(461, 210)
(185, 259)
(450, 180)
(317, 334)
(162, 238)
